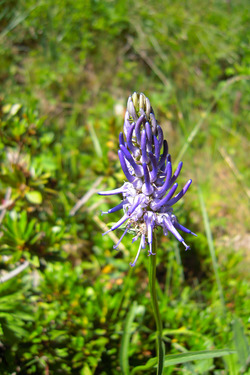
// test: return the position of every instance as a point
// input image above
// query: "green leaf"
(241, 344)
(22, 223)
(176, 359)
(86, 370)
(30, 228)
(34, 197)
(124, 362)
(54, 334)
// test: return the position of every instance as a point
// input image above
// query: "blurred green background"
(67, 68)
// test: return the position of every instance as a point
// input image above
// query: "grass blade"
(17, 20)
(124, 360)
(211, 248)
(95, 140)
(241, 344)
(177, 359)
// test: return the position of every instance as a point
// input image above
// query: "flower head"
(148, 196)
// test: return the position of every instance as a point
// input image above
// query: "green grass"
(67, 68)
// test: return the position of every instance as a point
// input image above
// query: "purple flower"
(148, 196)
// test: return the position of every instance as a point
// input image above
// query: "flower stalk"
(152, 287)
(148, 196)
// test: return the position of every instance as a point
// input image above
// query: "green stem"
(152, 287)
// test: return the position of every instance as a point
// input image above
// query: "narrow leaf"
(124, 360)
(241, 344)
(176, 359)
(193, 356)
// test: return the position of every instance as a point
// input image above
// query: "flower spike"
(148, 195)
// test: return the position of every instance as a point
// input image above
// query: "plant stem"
(152, 284)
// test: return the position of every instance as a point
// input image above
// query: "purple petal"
(129, 176)
(118, 224)
(134, 149)
(137, 168)
(169, 226)
(118, 207)
(160, 135)
(142, 112)
(163, 201)
(149, 136)
(150, 252)
(164, 154)
(121, 139)
(147, 188)
(137, 202)
(153, 122)
(181, 227)
(186, 246)
(176, 173)
(166, 184)
(143, 147)
(134, 239)
(118, 243)
(157, 148)
(180, 194)
(150, 223)
(112, 192)
(127, 124)
(143, 241)
(137, 256)
(131, 109)
(137, 183)
(138, 128)
(150, 232)
(153, 173)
